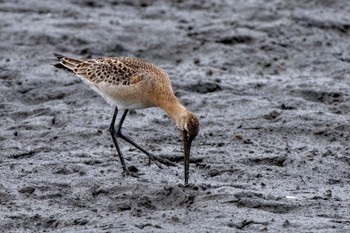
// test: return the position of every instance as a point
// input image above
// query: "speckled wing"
(110, 70)
(115, 71)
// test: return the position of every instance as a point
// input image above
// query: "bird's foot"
(159, 160)
(131, 171)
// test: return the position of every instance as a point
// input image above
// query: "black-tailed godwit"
(132, 83)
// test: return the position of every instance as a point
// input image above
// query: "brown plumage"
(133, 83)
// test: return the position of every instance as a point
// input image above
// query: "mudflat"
(269, 80)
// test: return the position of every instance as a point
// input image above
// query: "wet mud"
(269, 80)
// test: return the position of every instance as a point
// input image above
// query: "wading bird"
(132, 83)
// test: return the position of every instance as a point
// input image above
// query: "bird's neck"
(175, 110)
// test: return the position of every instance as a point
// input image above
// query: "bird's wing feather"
(116, 71)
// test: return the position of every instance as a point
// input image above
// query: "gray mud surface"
(269, 80)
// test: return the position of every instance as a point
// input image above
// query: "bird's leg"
(152, 157)
(113, 134)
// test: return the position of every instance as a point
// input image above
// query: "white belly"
(121, 103)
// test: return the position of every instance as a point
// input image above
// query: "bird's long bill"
(187, 151)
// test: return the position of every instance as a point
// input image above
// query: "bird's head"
(189, 128)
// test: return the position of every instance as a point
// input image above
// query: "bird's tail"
(66, 63)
